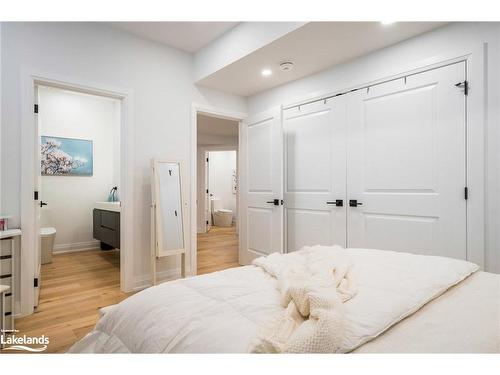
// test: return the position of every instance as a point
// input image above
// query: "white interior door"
(208, 208)
(261, 166)
(315, 174)
(39, 202)
(406, 164)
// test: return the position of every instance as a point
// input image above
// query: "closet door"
(261, 186)
(406, 165)
(315, 174)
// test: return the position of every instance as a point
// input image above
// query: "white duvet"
(225, 311)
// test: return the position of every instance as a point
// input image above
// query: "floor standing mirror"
(167, 232)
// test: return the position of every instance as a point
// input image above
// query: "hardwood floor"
(75, 286)
(217, 250)
(73, 289)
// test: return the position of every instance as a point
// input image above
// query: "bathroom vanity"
(107, 224)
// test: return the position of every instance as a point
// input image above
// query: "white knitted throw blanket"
(314, 282)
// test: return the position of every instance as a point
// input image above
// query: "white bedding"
(224, 311)
(314, 284)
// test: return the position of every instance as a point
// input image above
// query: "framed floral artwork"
(66, 157)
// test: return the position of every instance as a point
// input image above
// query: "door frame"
(193, 215)
(476, 124)
(29, 148)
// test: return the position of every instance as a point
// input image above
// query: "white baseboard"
(77, 246)
(144, 281)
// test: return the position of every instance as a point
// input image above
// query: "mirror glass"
(169, 207)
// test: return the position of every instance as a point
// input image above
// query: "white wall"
(220, 171)
(160, 78)
(454, 39)
(70, 199)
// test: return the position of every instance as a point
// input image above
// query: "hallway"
(217, 250)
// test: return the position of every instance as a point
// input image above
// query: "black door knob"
(276, 202)
(354, 203)
(42, 203)
(337, 202)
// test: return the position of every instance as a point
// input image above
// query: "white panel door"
(208, 194)
(315, 174)
(261, 166)
(406, 165)
(39, 203)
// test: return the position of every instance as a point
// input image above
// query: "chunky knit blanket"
(314, 282)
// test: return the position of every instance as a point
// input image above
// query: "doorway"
(217, 192)
(78, 187)
(74, 162)
(31, 182)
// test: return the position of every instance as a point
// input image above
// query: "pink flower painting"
(57, 157)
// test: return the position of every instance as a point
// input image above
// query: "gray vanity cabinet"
(107, 228)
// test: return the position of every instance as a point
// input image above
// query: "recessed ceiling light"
(386, 22)
(266, 72)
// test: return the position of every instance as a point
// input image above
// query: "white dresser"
(9, 242)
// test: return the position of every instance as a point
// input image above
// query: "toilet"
(48, 235)
(221, 217)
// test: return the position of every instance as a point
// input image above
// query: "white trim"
(144, 281)
(193, 216)
(29, 79)
(76, 247)
(374, 79)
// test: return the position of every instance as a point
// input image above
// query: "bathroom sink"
(108, 206)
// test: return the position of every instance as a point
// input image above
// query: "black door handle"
(354, 203)
(276, 202)
(338, 202)
(42, 203)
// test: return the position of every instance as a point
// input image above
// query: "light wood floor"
(73, 289)
(217, 250)
(75, 286)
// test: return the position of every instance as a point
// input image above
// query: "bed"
(405, 303)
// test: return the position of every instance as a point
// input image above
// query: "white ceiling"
(216, 126)
(313, 47)
(186, 36)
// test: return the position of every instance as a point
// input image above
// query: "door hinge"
(466, 193)
(35, 282)
(207, 191)
(35, 109)
(465, 85)
(207, 222)
(35, 195)
(207, 160)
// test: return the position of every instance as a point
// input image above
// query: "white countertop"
(10, 233)
(108, 206)
(4, 288)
